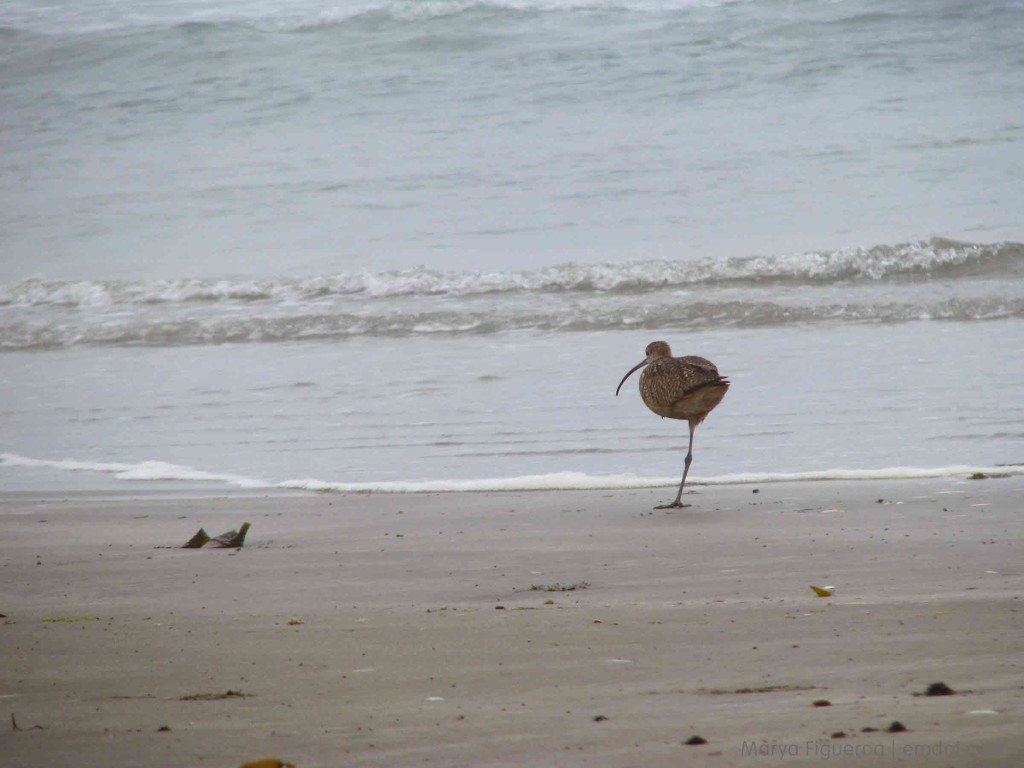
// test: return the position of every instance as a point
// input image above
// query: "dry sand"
(421, 641)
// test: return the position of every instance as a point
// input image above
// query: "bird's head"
(656, 350)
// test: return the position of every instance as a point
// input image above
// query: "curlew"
(686, 388)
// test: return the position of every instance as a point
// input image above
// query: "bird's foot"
(673, 505)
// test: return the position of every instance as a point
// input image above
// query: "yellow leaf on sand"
(822, 591)
(268, 762)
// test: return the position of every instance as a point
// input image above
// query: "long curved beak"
(641, 364)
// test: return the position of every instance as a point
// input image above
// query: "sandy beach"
(400, 630)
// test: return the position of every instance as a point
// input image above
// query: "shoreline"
(111, 477)
(401, 629)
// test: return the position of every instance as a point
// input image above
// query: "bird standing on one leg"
(685, 388)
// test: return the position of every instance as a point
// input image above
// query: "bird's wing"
(675, 377)
(699, 362)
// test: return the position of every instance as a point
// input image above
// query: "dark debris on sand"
(228, 540)
(215, 696)
(937, 689)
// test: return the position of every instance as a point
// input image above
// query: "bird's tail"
(718, 381)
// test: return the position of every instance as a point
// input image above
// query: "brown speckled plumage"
(686, 388)
(680, 387)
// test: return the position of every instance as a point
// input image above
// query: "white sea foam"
(579, 481)
(145, 470)
(554, 481)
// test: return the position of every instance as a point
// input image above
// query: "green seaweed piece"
(197, 541)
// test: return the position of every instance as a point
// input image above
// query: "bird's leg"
(686, 468)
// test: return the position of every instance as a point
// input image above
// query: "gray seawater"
(338, 244)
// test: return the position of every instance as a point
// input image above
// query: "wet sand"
(400, 630)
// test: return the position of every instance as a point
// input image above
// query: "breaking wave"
(935, 259)
(308, 16)
(938, 280)
(694, 316)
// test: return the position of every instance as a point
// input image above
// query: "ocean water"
(408, 245)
